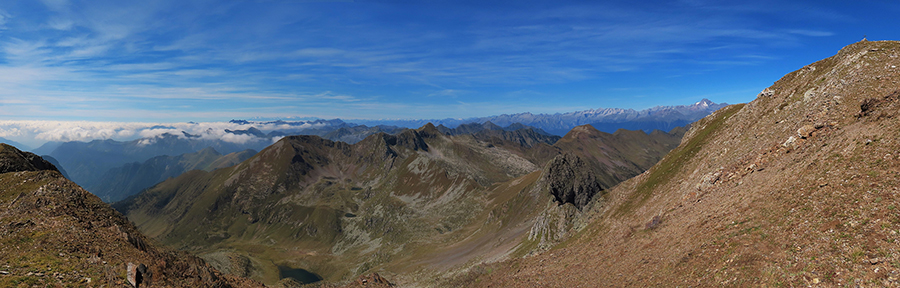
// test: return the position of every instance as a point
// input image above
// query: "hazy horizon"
(35, 133)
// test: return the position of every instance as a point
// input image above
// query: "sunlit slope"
(797, 188)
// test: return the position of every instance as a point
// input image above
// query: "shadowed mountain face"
(517, 133)
(353, 134)
(55, 163)
(54, 233)
(420, 200)
(621, 155)
(120, 182)
(86, 162)
(796, 188)
(103, 166)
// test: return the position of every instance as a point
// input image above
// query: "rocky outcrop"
(136, 274)
(553, 226)
(14, 160)
(374, 279)
(571, 180)
(412, 139)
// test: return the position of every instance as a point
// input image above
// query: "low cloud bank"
(35, 133)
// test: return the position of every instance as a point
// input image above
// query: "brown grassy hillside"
(797, 188)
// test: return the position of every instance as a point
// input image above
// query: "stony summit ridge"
(796, 188)
(55, 234)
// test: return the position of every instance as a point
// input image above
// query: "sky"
(177, 61)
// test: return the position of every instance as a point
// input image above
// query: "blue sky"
(170, 61)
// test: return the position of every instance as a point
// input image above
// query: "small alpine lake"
(301, 275)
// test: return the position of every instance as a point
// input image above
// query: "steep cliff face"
(55, 233)
(798, 187)
(571, 180)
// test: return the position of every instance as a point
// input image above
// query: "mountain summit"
(703, 103)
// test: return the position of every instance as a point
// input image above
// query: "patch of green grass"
(749, 230)
(857, 255)
(673, 162)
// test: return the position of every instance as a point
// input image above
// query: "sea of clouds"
(35, 133)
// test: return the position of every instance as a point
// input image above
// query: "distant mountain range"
(14, 143)
(129, 179)
(604, 119)
(340, 210)
(97, 164)
(87, 162)
(116, 169)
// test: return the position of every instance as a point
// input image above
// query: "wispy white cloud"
(810, 33)
(83, 59)
(332, 96)
(4, 17)
(448, 93)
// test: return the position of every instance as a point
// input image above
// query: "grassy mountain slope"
(54, 233)
(405, 205)
(797, 188)
(621, 155)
